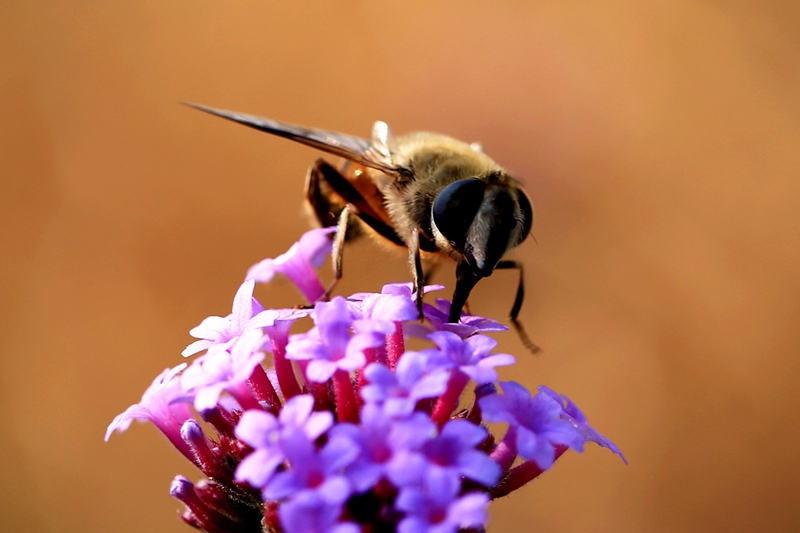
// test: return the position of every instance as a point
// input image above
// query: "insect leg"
(338, 249)
(335, 200)
(515, 309)
(327, 191)
(325, 204)
(416, 268)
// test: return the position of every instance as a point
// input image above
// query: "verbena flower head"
(340, 429)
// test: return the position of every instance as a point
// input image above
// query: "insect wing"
(382, 139)
(339, 144)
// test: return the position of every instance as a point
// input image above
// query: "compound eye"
(526, 210)
(455, 208)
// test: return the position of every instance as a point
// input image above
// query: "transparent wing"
(372, 154)
(382, 138)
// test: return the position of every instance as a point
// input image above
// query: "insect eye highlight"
(455, 208)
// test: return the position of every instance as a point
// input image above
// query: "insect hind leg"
(322, 199)
(515, 309)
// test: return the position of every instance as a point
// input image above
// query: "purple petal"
(211, 328)
(389, 307)
(372, 393)
(479, 467)
(254, 428)
(208, 396)
(354, 357)
(410, 367)
(318, 423)
(298, 263)
(579, 420)
(197, 346)
(406, 468)
(479, 374)
(338, 453)
(467, 433)
(307, 512)
(364, 475)
(413, 524)
(316, 245)
(480, 345)
(264, 318)
(498, 359)
(344, 527)
(469, 511)
(320, 371)
(335, 489)
(281, 485)
(411, 500)
(399, 407)
(493, 409)
(304, 347)
(431, 385)
(297, 410)
(447, 342)
(380, 375)
(441, 487)
(258, 467)
(263, 271)
(242, 310)
(411, 433)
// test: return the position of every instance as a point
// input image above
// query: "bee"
(427, 192)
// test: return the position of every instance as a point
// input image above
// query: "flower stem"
(505, 452)
(205, 517)
(395, 345)
(263, 389)
(448, 401)
(346, 406)
(171, 429)
(216, 418)
(244, 396)
(320, 392)
(522, 474)
(284, 369)
(213, 497)
(204, 458)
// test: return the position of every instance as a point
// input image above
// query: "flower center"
(315, 479)
(437, 516)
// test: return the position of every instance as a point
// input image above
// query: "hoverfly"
(427, 192)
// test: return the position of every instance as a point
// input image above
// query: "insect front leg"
(515, 309)
(330, 209)
(338, 249)
(336, 201)
(416, 268)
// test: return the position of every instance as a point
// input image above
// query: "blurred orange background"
(660, 142)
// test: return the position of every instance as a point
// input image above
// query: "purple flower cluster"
(346, 431)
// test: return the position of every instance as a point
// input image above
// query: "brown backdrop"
(659, 141)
